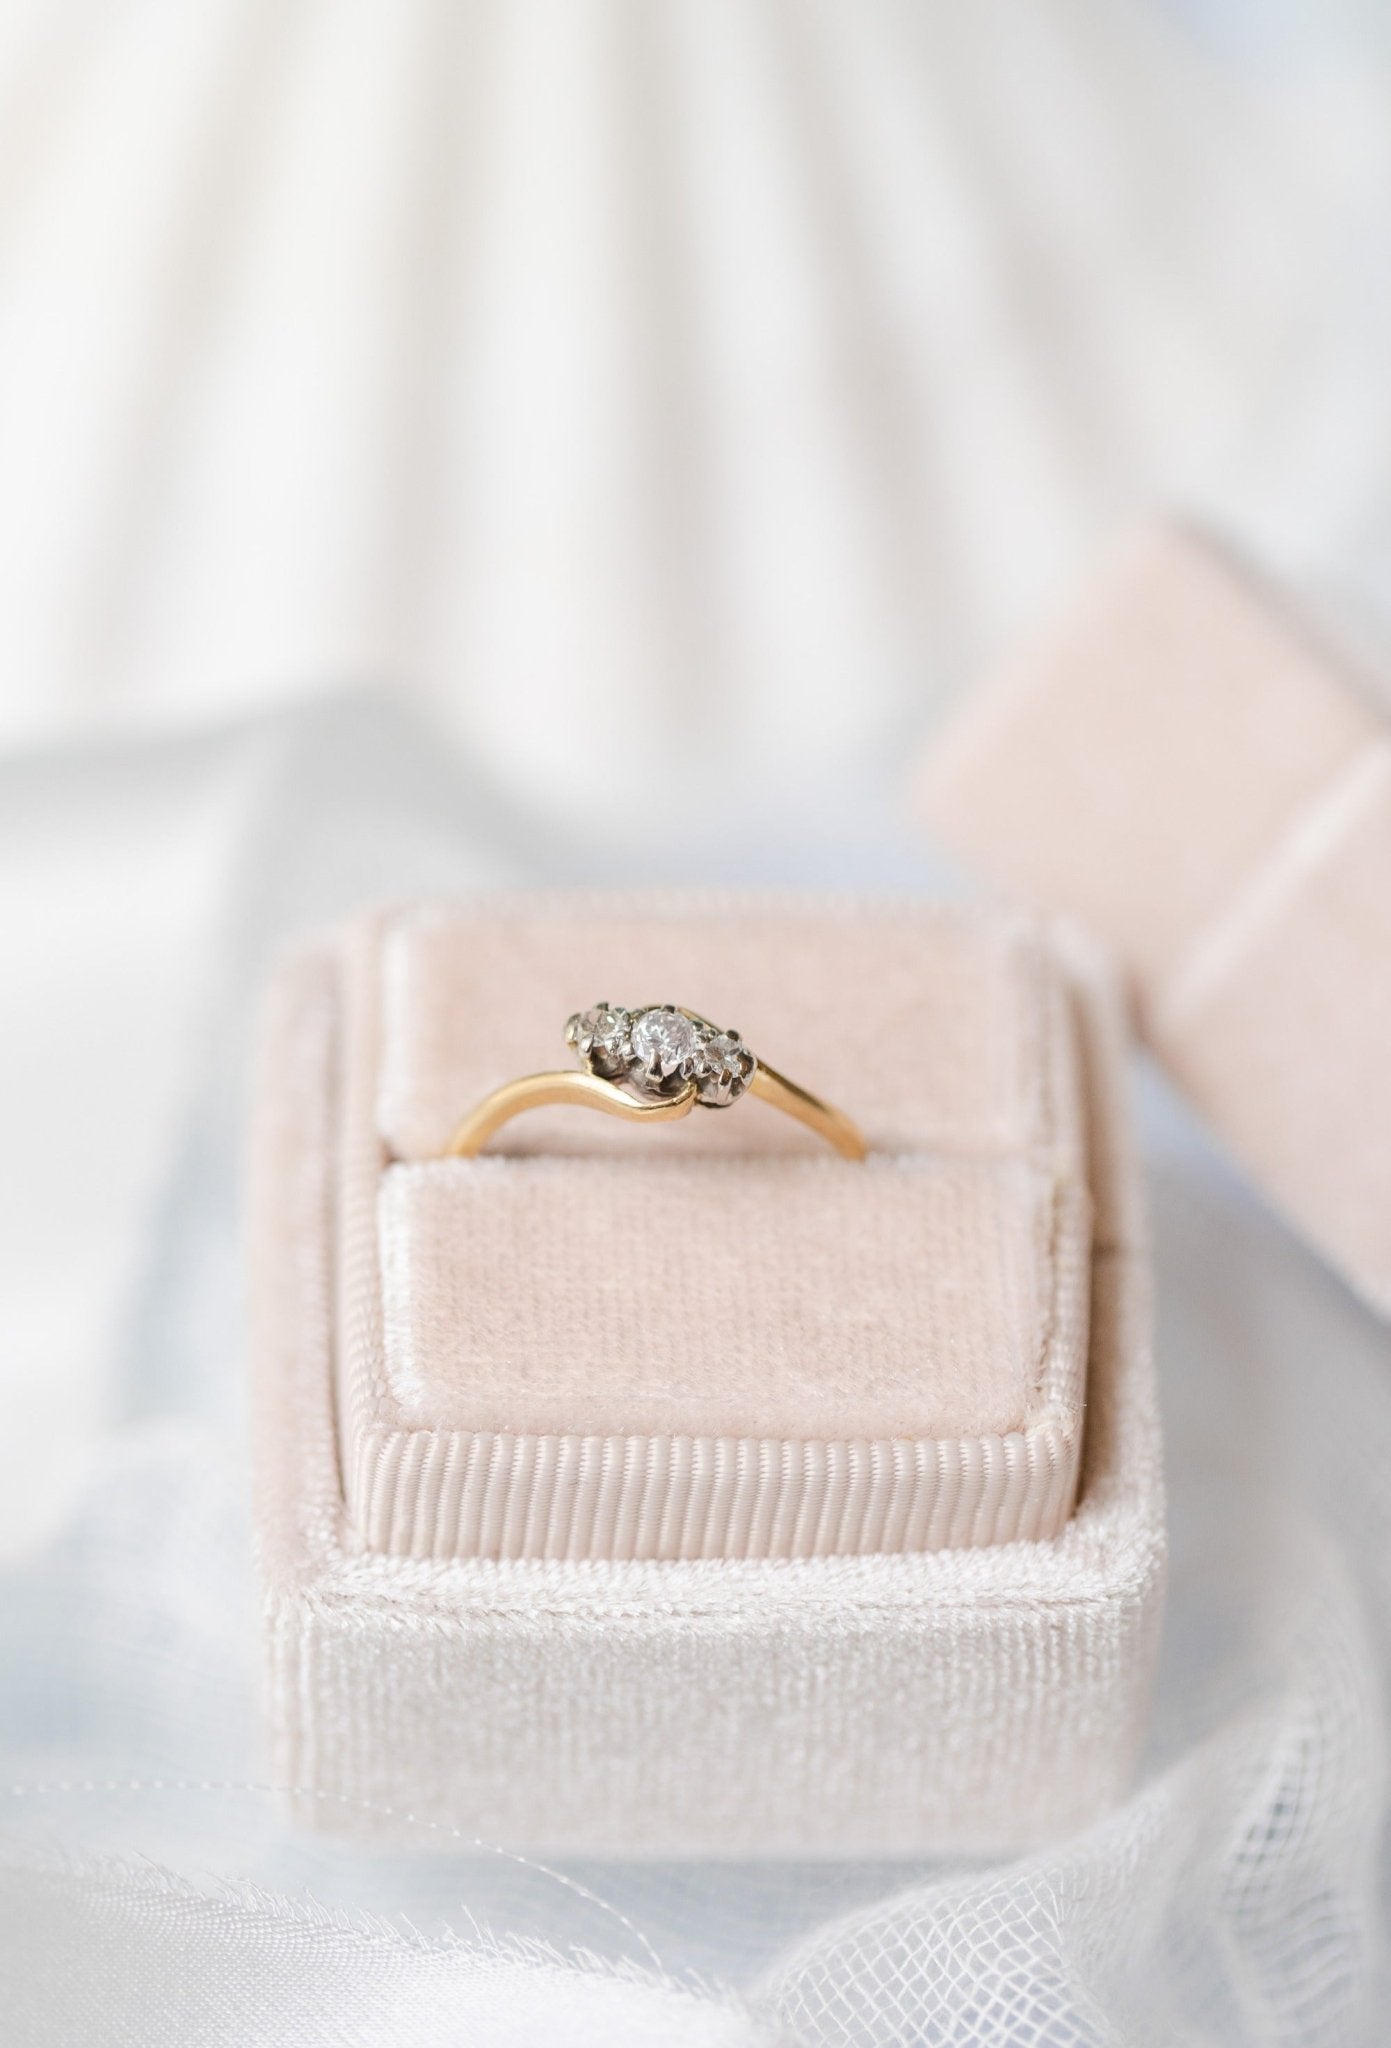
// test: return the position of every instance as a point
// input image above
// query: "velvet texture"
(717, 1340)
(978, 1696)
(1182, 765)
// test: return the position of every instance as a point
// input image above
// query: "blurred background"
(674, 402)
(458, 442)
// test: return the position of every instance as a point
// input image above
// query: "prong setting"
(599, 1039)
(658, 1050)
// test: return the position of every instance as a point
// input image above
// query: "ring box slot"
(697, 1340)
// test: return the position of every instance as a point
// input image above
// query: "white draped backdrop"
(459, 442)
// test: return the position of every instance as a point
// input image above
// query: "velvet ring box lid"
(692, 1490)
(1182, 762)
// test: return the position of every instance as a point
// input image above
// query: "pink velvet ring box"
(693, 1490)
(1181, 763)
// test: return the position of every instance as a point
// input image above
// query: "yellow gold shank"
(544, 1091)
(588, 1091)
(831, 1124)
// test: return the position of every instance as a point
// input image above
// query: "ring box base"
(827, 1701)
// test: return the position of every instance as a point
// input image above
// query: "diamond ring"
(654, 1064)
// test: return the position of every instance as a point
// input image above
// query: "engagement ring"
(653, 1065)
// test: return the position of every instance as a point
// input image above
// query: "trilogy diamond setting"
(659, 1051)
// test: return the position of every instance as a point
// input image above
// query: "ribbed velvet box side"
(972, 1699)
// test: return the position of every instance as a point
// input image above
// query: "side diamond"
(600, 1038)
(724, 1068)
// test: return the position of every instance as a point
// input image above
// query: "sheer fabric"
(151, 1887)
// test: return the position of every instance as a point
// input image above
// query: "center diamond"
(663, 1043)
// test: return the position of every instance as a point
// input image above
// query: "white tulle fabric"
(792, 356)
(149, 1886)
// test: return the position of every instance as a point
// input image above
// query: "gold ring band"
(653, 1066)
